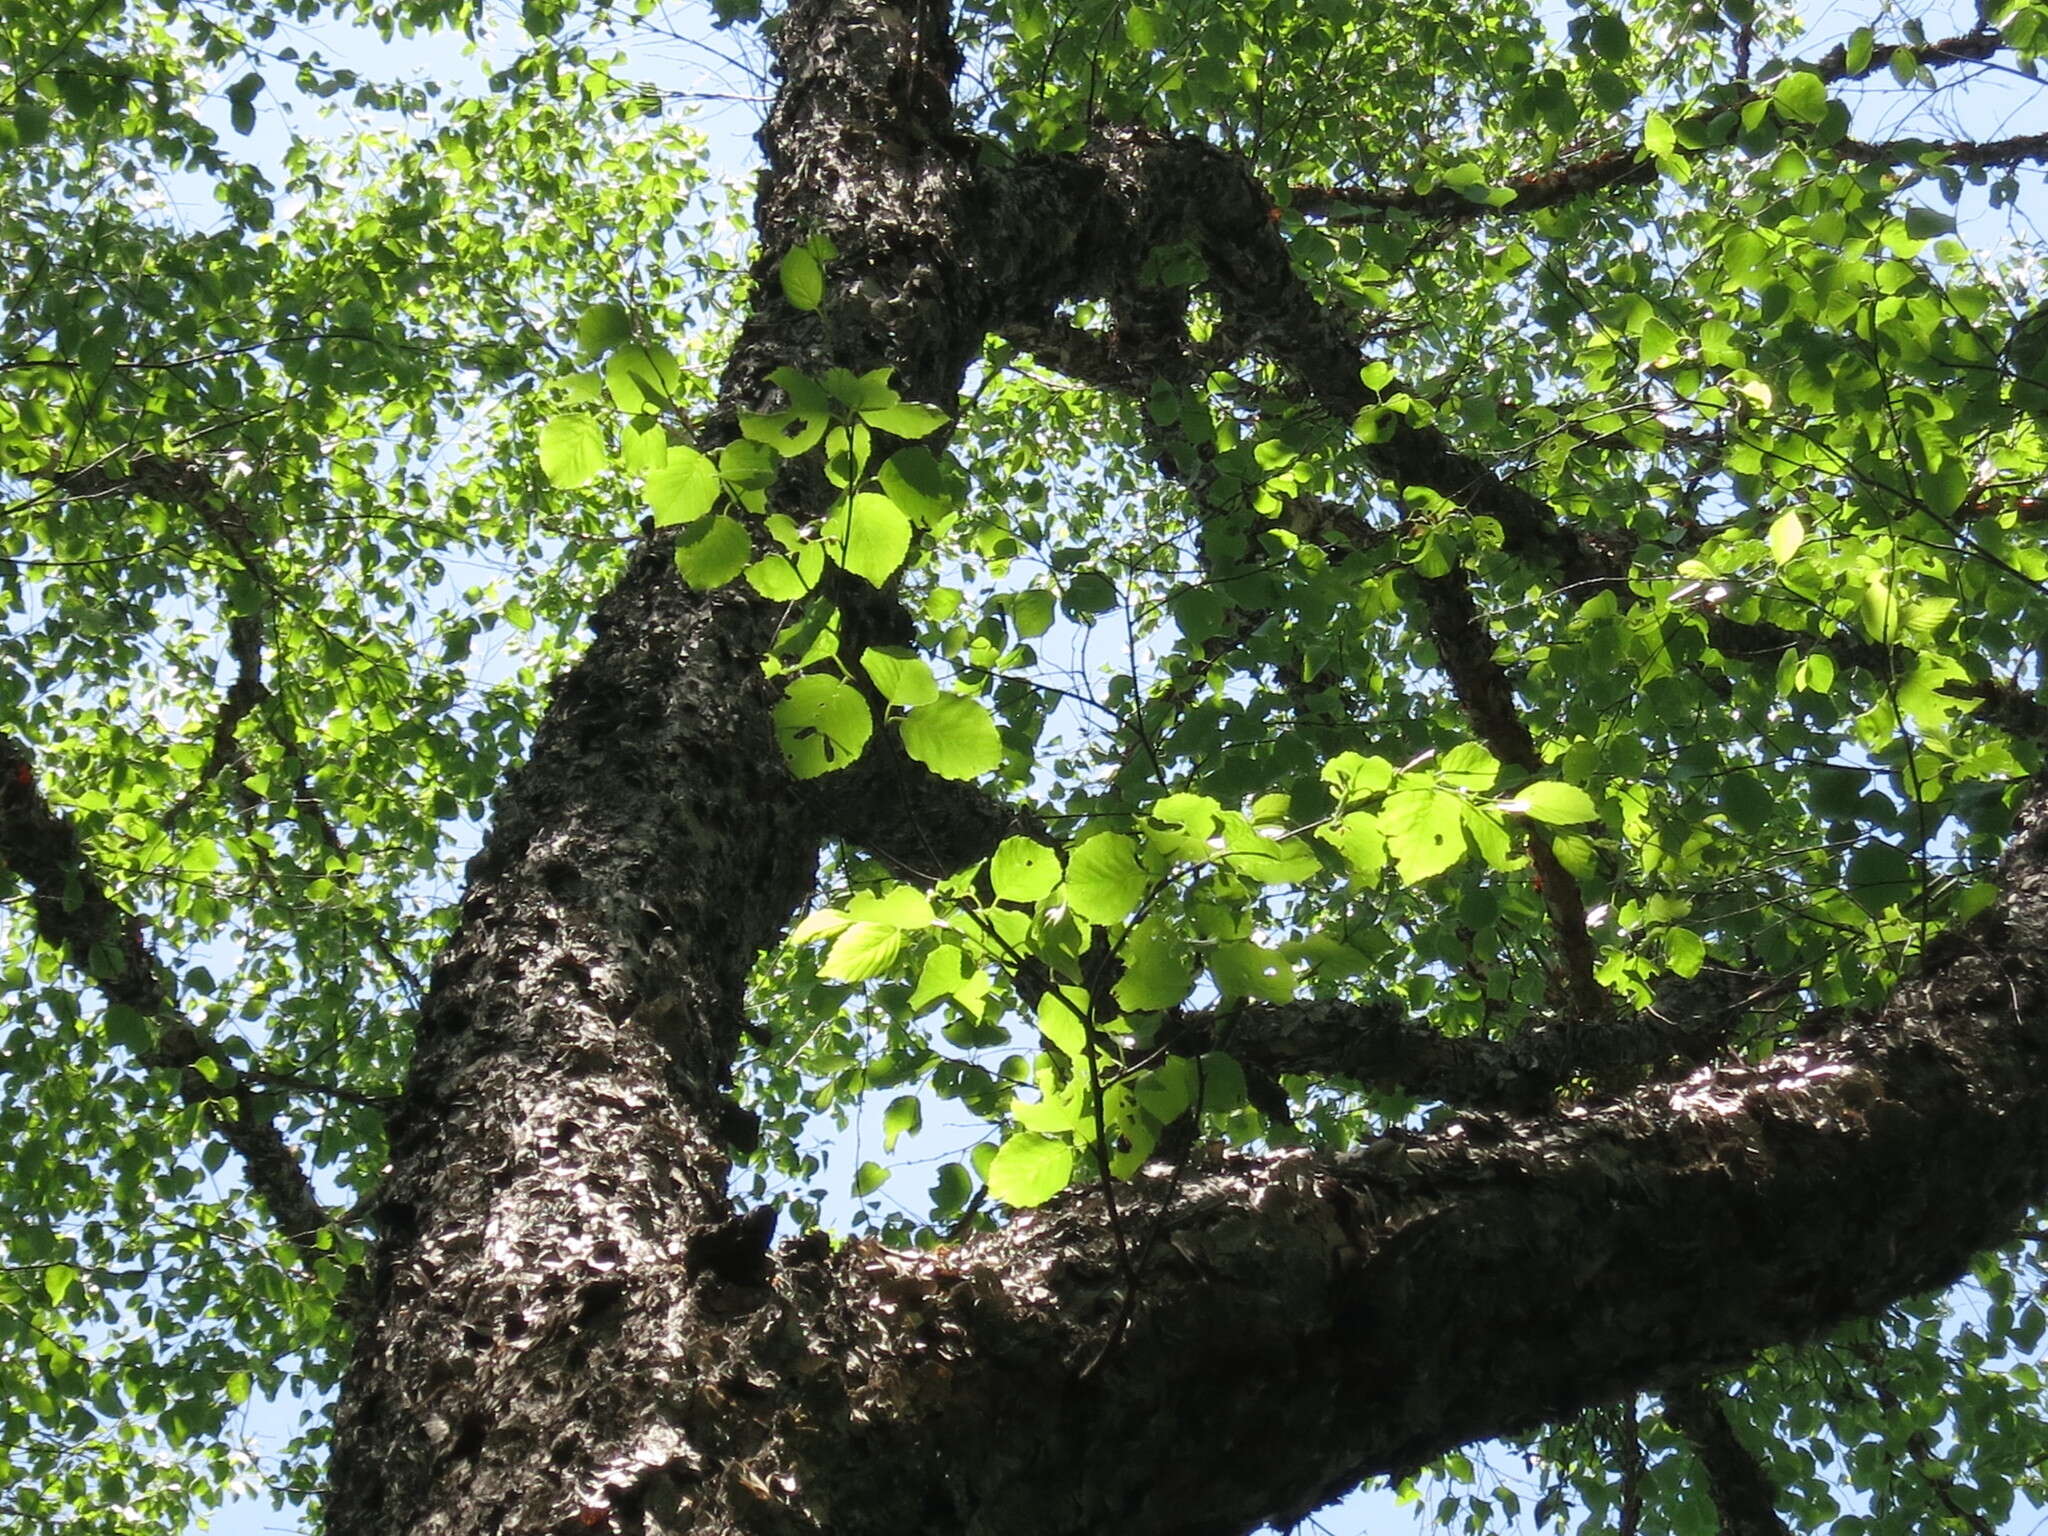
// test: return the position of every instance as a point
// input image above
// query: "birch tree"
(1396, 652)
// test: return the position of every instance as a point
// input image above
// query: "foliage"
(309, 495)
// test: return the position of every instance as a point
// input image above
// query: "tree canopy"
(1380, 666)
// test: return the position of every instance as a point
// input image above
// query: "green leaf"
(683, 491)
(822, 724)
(868, 1178)
(905, 906)
(1030, 1169)
(1354, 777)
(1487, 832)
(572, 451)
(907, 419)
(1858, 50)
(788, 433)
(1469, 766)
(643, 447)
(953, 736)
(1658, 137)
(1425, 832)
(903, 1117)
(1787, 534)
(948, 973)
(1088, 593)
(1684, 951)
(900, 676)
(803, 279)
(602, 327)
(1062, 1016)
(57, 1282)
(782, 579)
(1159, 969)
(916, 482)
(713, 551)
(1549, 801)
(642, 379)
(863, 951)
(821, 924)
(1877, 609)
(1801, 96)
(1248, 970)
(1104, 880)
(868, 391)
(1881, 875)
(1032, 613)
(242, 102)
(870, 536)
(1023, 870)
(1357, 837)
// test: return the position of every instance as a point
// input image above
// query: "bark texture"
(571, 1328)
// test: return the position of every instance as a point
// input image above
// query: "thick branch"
(1346, 1317)
(1143, 191)
(2017, 150)
(920, 825)
(75, 915)
(1375, 1044)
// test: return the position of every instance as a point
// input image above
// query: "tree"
(1551, 912)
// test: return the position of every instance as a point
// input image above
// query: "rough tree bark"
(570, 1326)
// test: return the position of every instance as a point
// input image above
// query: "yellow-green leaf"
(1786, 535)
(571, 451)
(713, 552)
(822, 724)
(1030, 1169)
(684, 490)
(1549, 801)
(952, 736)
(803, 279)
(1104, 880)
(863, 951)
(870, 535)
(1023, 870)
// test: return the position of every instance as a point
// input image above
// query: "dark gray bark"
(569, 1325)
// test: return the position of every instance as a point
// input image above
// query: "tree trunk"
(571, 1328)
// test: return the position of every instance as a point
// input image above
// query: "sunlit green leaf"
(1023, 870)
(713, 551)
(803, 279)
(953, 736)
(822, 723)
(572, 451)
(1030, 1169)
(871, 535)
(684, 490)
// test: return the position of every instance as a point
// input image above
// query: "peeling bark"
(570, 1326)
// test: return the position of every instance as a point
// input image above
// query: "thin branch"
(1920, 1446)
(1487, 696)
(1632, 165)
(188, 484)
(75, 915)
(299, 1082)
(1743, 1494)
